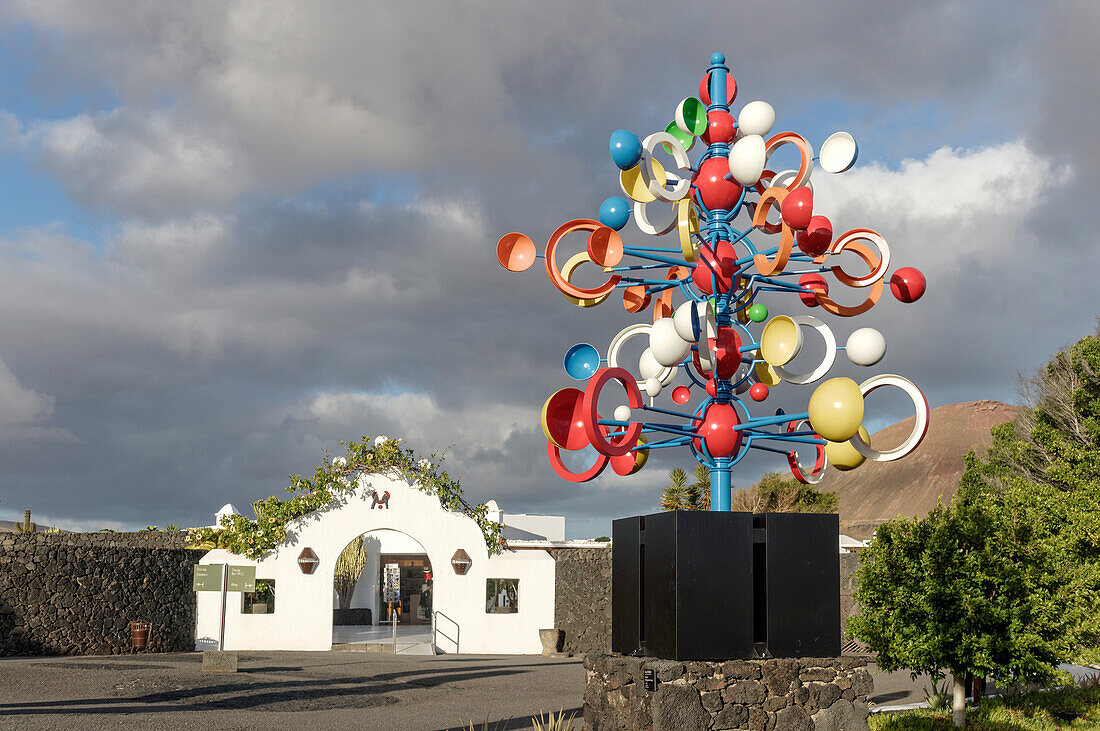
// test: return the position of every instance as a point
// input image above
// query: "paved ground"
(292, 690)
(311, 690)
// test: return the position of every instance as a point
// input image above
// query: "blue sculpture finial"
(718, 58)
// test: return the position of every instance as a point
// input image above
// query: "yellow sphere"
(836, 409)
(766, 374)
(843, 455)
(780, 341)
(640, 456)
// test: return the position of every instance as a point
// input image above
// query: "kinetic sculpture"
(723, 215)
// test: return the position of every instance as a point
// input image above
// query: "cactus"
(27, 526)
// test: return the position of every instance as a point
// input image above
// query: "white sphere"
(681, 320)
(648, 367)
(747, 159)
(865, 346)
(652, 387)
(666, 344)
(756, 118)
(622, 413)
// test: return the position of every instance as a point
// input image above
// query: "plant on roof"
(332, 481)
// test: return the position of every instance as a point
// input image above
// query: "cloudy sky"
(234, 234)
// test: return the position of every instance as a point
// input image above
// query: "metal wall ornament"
(461, 562)
(735, 233)
(308, 561)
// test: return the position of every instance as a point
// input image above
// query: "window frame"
(493, 588)
(248, 599)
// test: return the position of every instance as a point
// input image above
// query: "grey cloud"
(185, 356)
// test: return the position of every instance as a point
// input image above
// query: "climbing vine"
(333, 479)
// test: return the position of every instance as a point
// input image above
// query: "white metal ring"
(641, 328)
(641, 218)
(920, 425)
(826, 362)
(682, 186)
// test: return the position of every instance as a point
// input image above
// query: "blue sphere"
(615, 212)
(626, 148)
(717, 58)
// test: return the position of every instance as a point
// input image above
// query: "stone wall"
(76, 593)
(820, 694)
(849, 562)
(582, 599)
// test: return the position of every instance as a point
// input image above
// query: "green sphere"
(758, 313)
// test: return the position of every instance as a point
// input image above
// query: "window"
(261, 601)
(501, 596)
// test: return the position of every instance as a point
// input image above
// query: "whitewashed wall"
(303, 604)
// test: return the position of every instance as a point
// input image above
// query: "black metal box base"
(696, 585)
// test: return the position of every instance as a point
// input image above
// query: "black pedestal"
(691, 585)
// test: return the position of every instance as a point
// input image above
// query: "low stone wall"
(582, 599)
(763, 695)
(76, 593)
(849, 564)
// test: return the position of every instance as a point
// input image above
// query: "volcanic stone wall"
(76, 593)
(819, 694)
(582, 599)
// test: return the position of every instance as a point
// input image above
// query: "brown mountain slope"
(878, 491)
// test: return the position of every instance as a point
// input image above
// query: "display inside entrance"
(735, 271)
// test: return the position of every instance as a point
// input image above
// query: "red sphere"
(717, 429)
(908, 284)
(798, 208)
(712, 388)
(758, 392)
(720, 128)
(815, 240)
(712, 189)
(812, 281)
(728, 353)
(704, 89)
(681, 394)
(722, 264)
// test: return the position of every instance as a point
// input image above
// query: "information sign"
(391, 583)
(208, 577)
(241, 578)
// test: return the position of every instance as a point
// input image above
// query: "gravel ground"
(275, 690)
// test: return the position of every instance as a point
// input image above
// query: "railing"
(437, 632)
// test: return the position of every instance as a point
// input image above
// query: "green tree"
(974, 588)
(680, 495)
(774, 493)
(699, 489)
(1052, 451)
(675, 496)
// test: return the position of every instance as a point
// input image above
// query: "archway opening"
(381, 576)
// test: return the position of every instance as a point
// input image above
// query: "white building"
(498, 605)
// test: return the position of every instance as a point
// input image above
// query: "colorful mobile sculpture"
(731, 230)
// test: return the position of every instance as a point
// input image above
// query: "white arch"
(303, 615)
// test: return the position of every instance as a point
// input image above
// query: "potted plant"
(263, 599)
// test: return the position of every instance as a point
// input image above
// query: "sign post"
(224, 578)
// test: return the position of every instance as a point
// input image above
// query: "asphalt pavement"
(312, 690)
(291, 690)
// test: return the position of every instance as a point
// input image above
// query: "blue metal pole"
(721, 484)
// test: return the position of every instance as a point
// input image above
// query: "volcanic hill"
(879, 491)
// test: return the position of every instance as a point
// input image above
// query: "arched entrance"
(395, 583)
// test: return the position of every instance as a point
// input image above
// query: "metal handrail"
(436, 631)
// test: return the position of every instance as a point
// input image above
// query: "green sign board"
(241, 578)
(208, 577)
